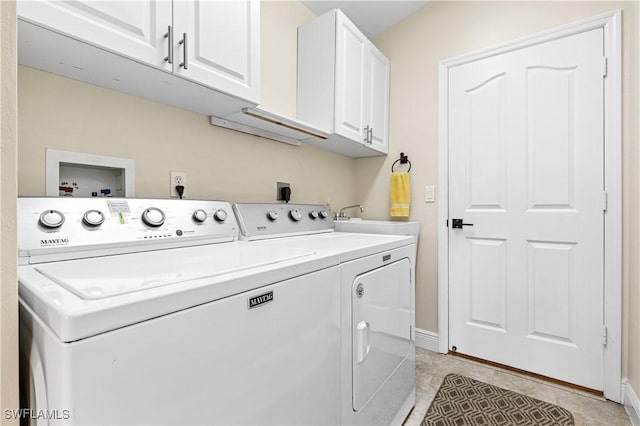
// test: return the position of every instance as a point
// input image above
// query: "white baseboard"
(631, 402)
(427, 340)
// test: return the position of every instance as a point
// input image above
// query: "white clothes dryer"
(141, 311)
(378, 306)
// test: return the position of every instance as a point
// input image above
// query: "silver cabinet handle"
(366, 134)
(370, 136)
(183, 42)
(169, 35)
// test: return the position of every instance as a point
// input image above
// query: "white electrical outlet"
(177, 178)
(429, 194)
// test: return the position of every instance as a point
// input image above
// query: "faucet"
(343, 215)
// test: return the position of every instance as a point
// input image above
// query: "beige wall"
(56, 112)
(442, 30)
(8, 187)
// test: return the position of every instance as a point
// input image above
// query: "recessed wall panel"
(550, 124)
(136, 19)
(487, 282)
(485, 145)
(551, 290)
(232, 26)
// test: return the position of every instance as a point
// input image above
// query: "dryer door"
(380, 327)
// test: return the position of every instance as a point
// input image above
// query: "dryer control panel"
(71, 228)
(260, 221)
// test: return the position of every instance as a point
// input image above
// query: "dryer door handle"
(363, 345)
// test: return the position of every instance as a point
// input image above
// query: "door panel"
(350, 80)
(487, 261)
(381, 327)
(485, 144)
(551, 291)
(378, 100)
(134, 29)
(526, 169)
(550, 136)
(222, 44)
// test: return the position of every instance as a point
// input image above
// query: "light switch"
(429, 194)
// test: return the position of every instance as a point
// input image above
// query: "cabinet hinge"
(604, 335)
(604, 66)
(605, 201)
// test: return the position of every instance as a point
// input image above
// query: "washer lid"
(103, 277)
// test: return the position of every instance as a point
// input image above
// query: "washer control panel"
(259, 221)
(64, 225)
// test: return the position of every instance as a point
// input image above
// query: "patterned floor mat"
(464, 401)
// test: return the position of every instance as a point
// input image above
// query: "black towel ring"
(403, 160)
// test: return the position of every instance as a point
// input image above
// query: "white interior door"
(526, 170)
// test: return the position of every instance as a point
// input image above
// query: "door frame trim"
(610, 22)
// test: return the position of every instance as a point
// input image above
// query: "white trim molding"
(631, 402)
(610, 23)
(426, 339)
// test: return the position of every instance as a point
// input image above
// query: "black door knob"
(457, 224)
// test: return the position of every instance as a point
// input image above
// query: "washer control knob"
(199, 215)
(153, 216)
(220, 215)
(51, 219)
(272, 215)
(323, 214)
(295, 215)
(313, 214)
(93, 218)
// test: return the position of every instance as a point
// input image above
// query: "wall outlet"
(279, 186)
(177, 178)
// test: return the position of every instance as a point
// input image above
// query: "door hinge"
(604, 335)
(604, 66)
(605, 201)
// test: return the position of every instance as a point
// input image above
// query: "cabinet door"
(134, 29)
(351, 47)
(222, 46)
(378, 100)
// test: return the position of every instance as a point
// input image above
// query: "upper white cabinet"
(343, 86)
(119, 44)
(218, 44)
(133, 29)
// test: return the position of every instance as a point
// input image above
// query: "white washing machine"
(378, 306)
(140, 311)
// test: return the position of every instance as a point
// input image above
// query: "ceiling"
(371, 17)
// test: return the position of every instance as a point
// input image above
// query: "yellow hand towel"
(400, 194)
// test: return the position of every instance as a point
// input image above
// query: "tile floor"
(432, 367)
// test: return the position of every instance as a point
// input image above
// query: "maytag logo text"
(54, 242)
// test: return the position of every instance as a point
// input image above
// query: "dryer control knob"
(272, 215)
(220, 215)
(199, 215)
(93, 218)
(153, 216)
(295, 215)
(51, 219)
(323, 214)
(313, 214)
